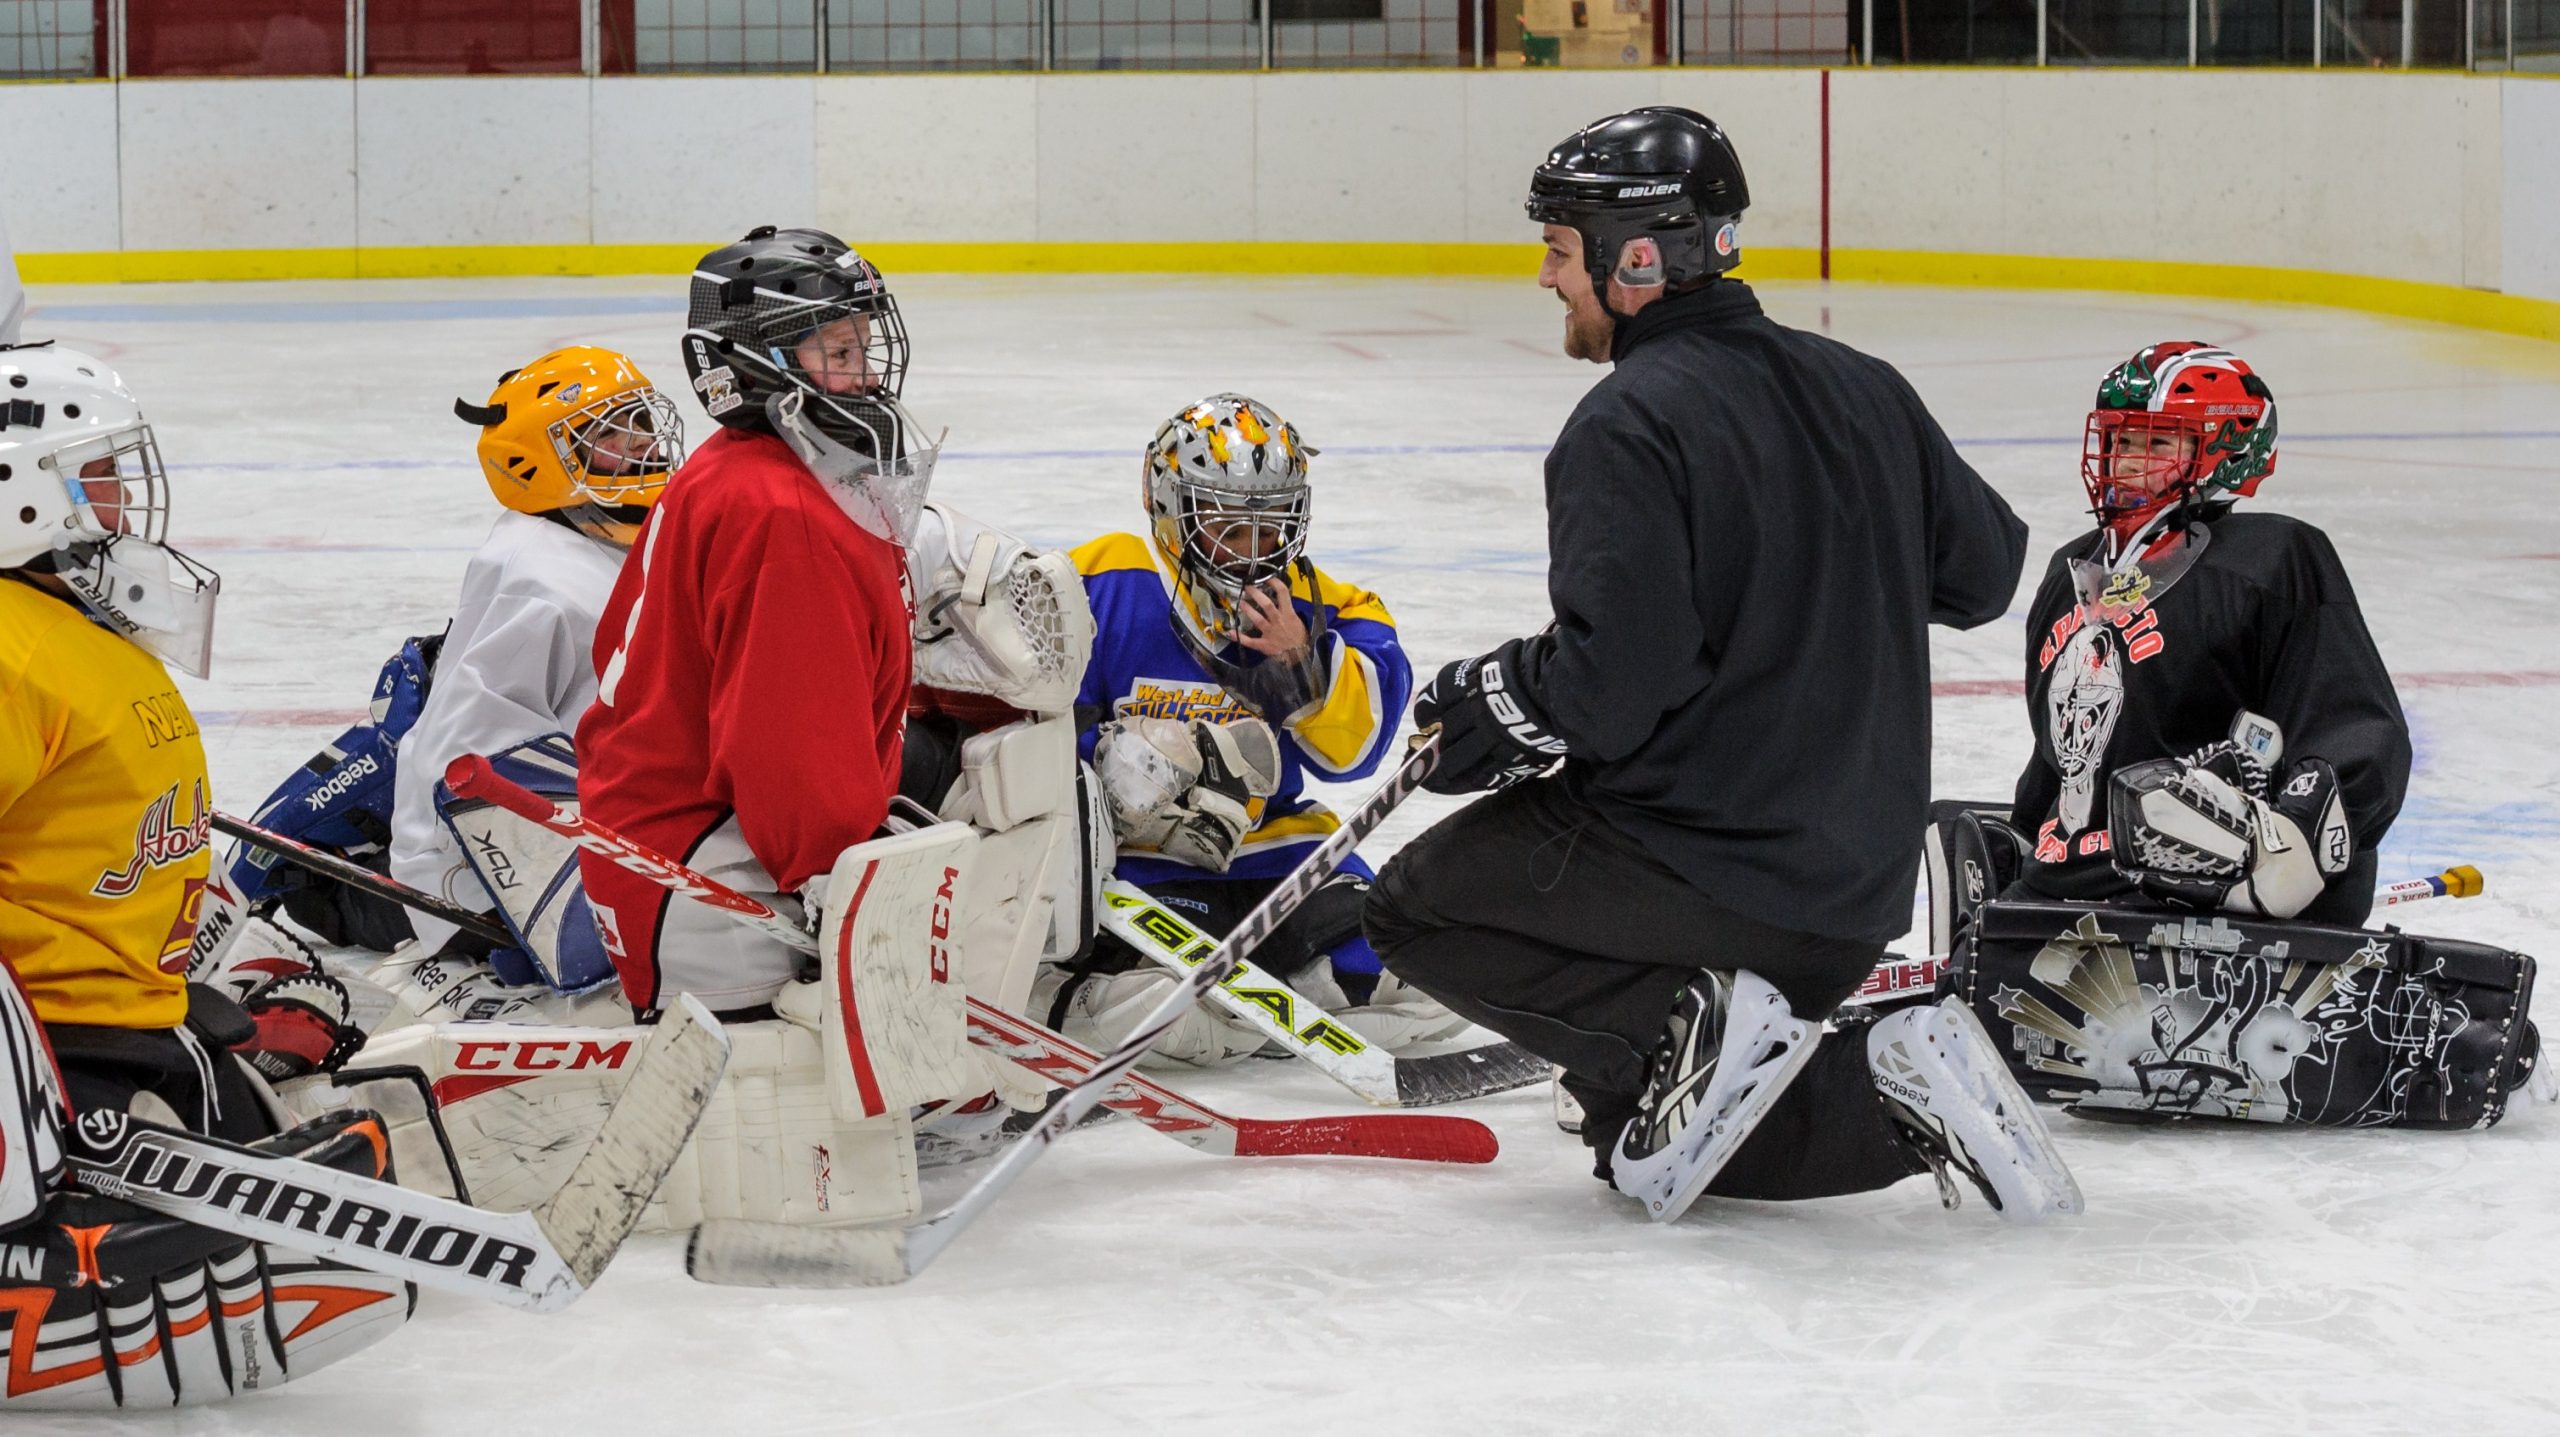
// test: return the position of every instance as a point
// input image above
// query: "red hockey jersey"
(753, 661)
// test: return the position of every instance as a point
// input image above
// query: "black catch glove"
(1491, 732)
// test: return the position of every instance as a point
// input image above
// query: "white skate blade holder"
(1939, 1060)
(1764, 1046)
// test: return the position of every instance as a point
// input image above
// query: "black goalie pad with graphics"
(2149, 1014)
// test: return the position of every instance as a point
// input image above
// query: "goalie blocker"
(2151, 1014)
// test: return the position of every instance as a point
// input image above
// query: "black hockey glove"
(1491, 732)
(2202, 832)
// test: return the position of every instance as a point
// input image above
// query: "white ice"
(2223, 1281)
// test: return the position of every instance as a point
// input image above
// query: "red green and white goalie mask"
(2179, 422)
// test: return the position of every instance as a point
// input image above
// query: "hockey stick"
(1027, 1044)
(540, 1261)
(356, 875)
(1297, 1023)
(1063, 1061)
(1898, 975)
(753, 1254)
(2460, 881)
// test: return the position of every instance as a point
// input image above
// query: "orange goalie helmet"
(580, 433)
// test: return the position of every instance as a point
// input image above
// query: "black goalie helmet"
(1662, 173)
(798, 312)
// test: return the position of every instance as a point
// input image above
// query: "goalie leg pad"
(2154, 1015)
(892, 1012)
(520, 1103)
(531, 873)
(1100, 1010)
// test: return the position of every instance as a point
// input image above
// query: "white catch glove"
(1182, 789)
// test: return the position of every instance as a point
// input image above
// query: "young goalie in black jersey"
(2190, 852)
(2154, 633)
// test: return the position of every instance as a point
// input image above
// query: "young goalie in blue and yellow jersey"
(1227, 669)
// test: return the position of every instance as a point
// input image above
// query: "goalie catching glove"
(1184, 790)
(2199, 831)
(1492, 734)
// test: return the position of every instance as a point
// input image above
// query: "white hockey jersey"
(518, 663)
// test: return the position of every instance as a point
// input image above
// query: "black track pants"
(1528, 913)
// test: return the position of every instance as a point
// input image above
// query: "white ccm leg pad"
(520, 1103)
(1025, 899)
(892, 1011)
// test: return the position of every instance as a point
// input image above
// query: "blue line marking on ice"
(359, 311)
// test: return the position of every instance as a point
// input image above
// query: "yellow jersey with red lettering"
(104, 821)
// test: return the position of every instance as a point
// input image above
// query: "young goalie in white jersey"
(576, 446)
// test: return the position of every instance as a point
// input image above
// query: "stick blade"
(1416, 1138)
(1475, 1073)
(730, 1252)
(641, 1139)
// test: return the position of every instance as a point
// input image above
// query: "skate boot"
(1953, 1099)
(1731, 1047)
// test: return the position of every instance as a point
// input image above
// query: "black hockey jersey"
(2154, 660)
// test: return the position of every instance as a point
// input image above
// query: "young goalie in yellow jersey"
(104, 822)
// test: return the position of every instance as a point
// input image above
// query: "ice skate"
(1730, 1048)
(1954, 1100)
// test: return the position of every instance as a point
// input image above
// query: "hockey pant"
(1527, 913)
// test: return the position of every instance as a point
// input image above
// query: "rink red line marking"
(2458, 679)
(1355, 350)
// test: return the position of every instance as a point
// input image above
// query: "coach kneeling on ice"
(2218, 754)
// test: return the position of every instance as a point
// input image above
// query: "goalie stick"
(1019, 1040)
(752, 1254)
(1898, 975)
(1298, 1024)
(540, 1261)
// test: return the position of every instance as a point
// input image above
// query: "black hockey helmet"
(1660, 171)
(754, 303)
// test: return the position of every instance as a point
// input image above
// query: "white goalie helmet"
(83, 496)
(1227, 491)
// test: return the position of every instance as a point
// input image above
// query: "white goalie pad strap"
(520, 1103)
(994, 616)
(892, 1010)
(33, 1108)
(1014, 774)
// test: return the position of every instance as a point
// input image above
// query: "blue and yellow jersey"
(1142, 667)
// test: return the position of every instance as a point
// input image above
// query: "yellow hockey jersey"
(104, 821)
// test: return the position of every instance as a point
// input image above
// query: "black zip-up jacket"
(1749, 530)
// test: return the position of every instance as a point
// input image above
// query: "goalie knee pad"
(531, 873)
(888, 1004)
(1971, 854)
(2156, 1014)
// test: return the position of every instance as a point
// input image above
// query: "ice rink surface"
(2239, 1281)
